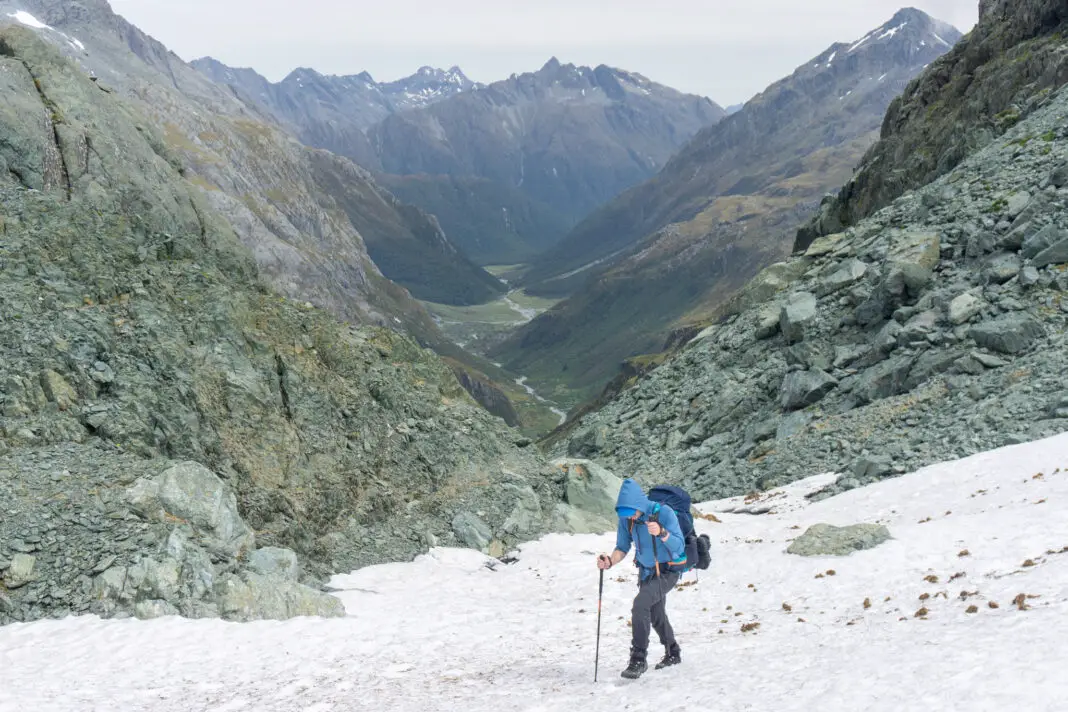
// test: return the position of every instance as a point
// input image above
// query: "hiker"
(659, 542)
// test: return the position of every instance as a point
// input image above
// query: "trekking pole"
(597, 655)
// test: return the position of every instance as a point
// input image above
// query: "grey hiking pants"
(650, 611)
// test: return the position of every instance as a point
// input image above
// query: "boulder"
(797, 313)
(191, 492)
(1001, 268)
(826, 245)
(526, 516)
(1029, 277)
(568, 518)
(587, 442)
(275, 561)
(1010, 334)
(590, 487)
(147, 610)
(872, 467)
(767, 321)
(471, 531)
(57, 390)
(251, 596)
(847, 273)
(918, 328)
(808, 355)
(963, 308)
(1055, 254)
(21, 571)
(828, 540)
(883, 380)
(1017, 203)
(915, 253)
(1042, 240)
(801, 389)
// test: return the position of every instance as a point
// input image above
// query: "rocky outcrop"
(950, 341)
(1000, 73)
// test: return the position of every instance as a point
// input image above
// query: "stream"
(522, 383)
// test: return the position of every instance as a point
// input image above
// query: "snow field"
(457, 630)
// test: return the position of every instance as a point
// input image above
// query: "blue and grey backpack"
(698, 553)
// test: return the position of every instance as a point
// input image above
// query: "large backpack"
(697, 547)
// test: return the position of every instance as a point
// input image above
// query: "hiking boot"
(673, 656)
(636, 667)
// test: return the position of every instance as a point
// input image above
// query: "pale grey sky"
(725, 49)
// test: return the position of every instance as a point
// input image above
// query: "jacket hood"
(632, 496)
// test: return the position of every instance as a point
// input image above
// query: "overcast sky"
(724, 49)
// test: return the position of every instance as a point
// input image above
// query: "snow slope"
(450, 631)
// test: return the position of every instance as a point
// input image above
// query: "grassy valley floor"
(477, 328)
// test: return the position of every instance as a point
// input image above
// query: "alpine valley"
(303, 350)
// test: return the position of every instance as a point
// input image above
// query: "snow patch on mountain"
(963, 608)
(29, 20)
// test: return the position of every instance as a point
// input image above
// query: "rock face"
(1003, 71)
(935, 352)
(160, 402)
(827, 540)
(679, 246)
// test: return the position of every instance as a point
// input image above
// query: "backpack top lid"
(679, 501)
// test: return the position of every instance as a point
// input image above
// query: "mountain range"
(673, 249)
(507, 167)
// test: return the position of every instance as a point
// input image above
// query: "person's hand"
(654, 528)
(604, 561)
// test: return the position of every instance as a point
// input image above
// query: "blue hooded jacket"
(631, 497)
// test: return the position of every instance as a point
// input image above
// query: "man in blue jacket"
(654, 530)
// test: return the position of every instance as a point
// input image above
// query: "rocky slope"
(933, 329)
(269, 186)
(165, 412)
(672, 249)
(999, 74)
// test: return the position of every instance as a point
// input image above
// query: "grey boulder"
(803, 388)
(1011, 334)
(251, 596)
(828, 540)
(590, 487)
(798, 312)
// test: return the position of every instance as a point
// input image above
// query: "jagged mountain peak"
(909, 25)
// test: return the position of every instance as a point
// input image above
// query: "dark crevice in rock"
(280, 367)
(200, 222)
